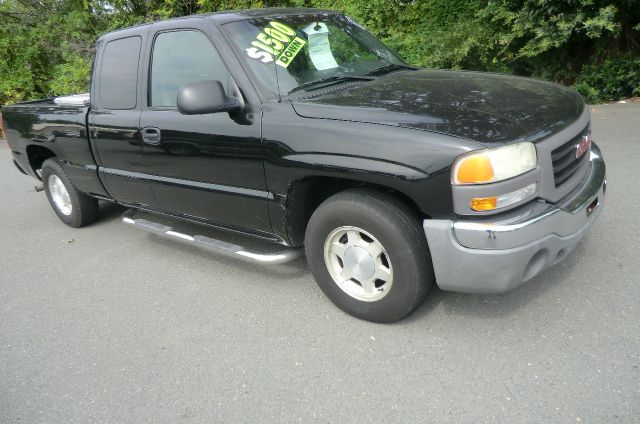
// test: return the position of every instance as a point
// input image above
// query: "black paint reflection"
(488, 108)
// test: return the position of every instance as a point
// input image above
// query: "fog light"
(492, 203)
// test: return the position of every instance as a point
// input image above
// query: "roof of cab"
(238, 15)
(225, 17)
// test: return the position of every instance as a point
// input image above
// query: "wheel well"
(307, 194)
(37, 155)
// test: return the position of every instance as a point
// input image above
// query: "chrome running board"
(217, 246)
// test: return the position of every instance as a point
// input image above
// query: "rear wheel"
(73, 207)
(369, 255)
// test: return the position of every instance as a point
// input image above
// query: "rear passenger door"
(208, 166)
(115, 114)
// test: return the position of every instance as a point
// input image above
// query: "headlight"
(492, 165)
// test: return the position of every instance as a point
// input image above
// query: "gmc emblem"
(583, 146)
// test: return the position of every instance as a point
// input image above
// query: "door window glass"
(180, 57)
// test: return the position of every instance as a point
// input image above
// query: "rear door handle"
(151, 135)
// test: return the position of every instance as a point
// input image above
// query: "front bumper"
(492, 255)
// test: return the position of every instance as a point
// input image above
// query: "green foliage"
(72, 76)
(40, 43)
(612, 80)
(538, 26)
(594, 45)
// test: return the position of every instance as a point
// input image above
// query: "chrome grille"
(564, 161)
(560, 171)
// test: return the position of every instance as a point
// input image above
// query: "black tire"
(396, 228)
(84, 208)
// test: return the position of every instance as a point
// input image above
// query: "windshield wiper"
(389, 68)
(330, 80)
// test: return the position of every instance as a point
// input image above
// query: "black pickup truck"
(298, 127)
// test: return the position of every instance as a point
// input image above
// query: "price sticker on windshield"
(277, 42)
(319, 48)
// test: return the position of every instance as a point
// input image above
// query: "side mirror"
(201, 97)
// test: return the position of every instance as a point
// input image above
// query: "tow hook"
(39, 188)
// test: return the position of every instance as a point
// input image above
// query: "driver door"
(207, 167)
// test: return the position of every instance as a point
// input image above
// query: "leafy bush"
(612, 80)
(71, 76)
(593, 45)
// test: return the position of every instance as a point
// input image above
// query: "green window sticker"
(290, 52)
(277, 41)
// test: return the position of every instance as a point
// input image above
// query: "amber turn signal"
(474, 169)
(4, 130)
(484, 203)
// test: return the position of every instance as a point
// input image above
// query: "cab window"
(119, 74)
(180, 57)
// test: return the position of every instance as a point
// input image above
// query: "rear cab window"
(119, 73)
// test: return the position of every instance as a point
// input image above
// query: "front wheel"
(368, 255)
(72, 206)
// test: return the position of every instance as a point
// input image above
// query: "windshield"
(293, 52)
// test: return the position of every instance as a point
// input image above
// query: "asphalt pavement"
(109, 324)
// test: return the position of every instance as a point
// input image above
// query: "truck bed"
(43, 120)
(38, 129)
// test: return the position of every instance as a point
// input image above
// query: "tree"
(46, 46)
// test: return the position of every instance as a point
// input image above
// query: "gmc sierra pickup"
(297, 126)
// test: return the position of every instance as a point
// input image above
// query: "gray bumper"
(494, 255)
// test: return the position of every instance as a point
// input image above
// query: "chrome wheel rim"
(358, 263)
(59, 195)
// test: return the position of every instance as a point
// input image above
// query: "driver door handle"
(151, 135)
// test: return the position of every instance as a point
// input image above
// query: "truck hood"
(486, 108)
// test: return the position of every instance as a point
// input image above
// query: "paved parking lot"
(110, 324)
